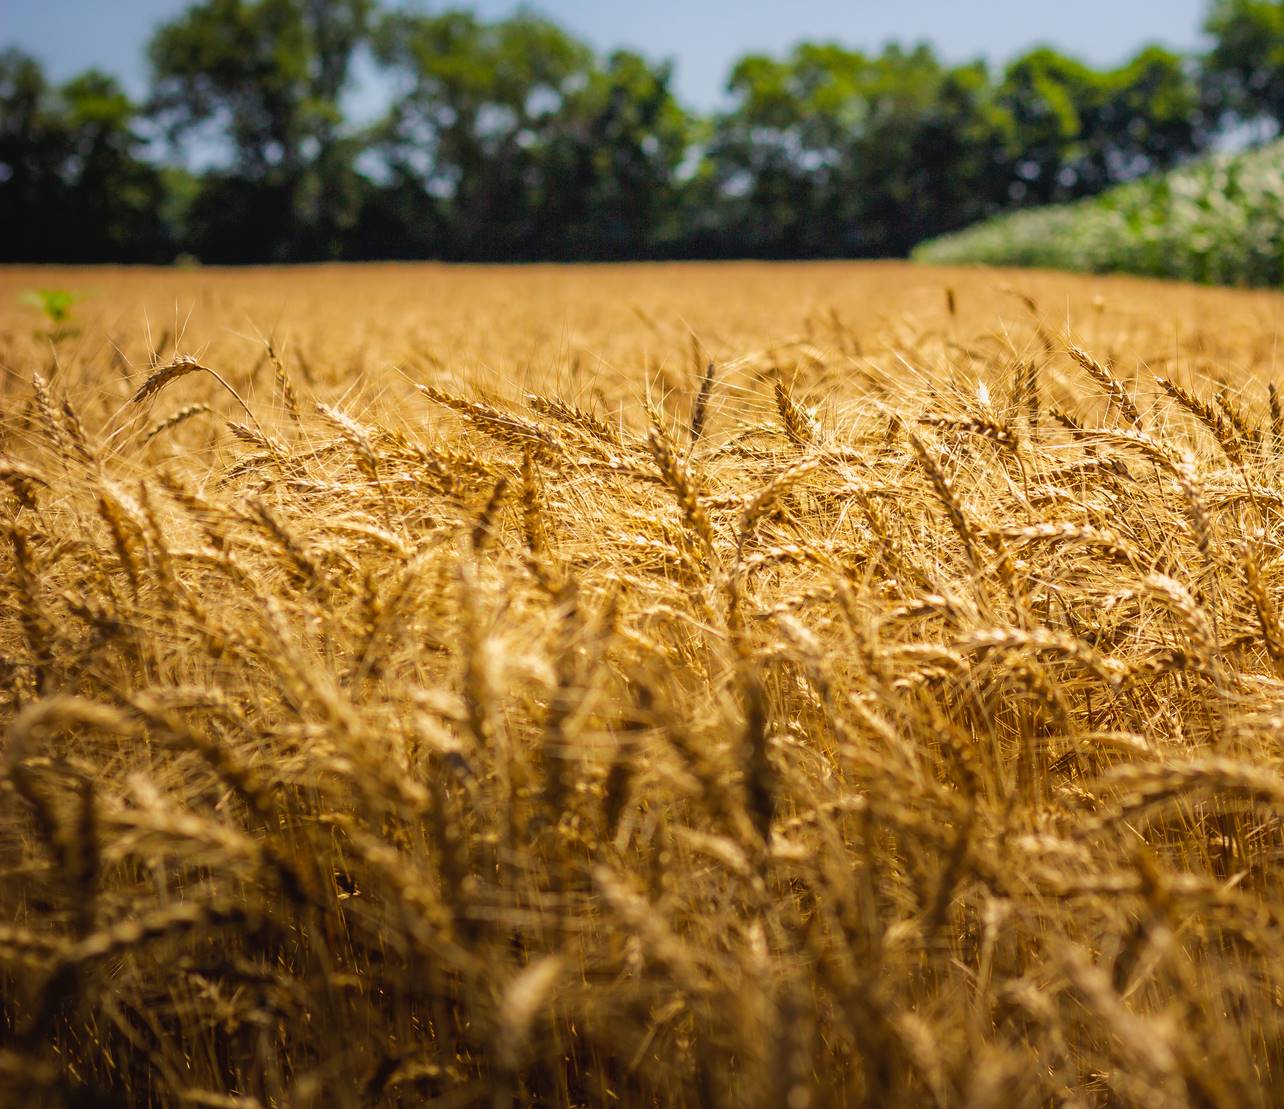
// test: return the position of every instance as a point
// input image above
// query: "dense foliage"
(512, 139)
(1221, 221)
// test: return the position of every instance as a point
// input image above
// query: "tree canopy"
(73, 186)
(513, 139)
(1244, 71)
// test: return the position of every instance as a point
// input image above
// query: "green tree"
(1075, 130)
(30, 153)
(929, 155)
(612, 160)
(114, 198)
(483, 103)
(1245, 68)
(770, 155)
(270, 76)
(1051, 100)
(1152, 117)
(956, 153)
(73, 184)
(831, 151)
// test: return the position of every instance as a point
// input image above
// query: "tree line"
(513, 140)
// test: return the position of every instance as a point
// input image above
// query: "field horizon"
(777, 299)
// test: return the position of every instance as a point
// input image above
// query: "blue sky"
(702, 36)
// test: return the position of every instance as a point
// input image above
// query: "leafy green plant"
(1219, 221)
(56, 305)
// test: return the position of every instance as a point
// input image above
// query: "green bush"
(1219, 221)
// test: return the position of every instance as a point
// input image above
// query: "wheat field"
(706, 685)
